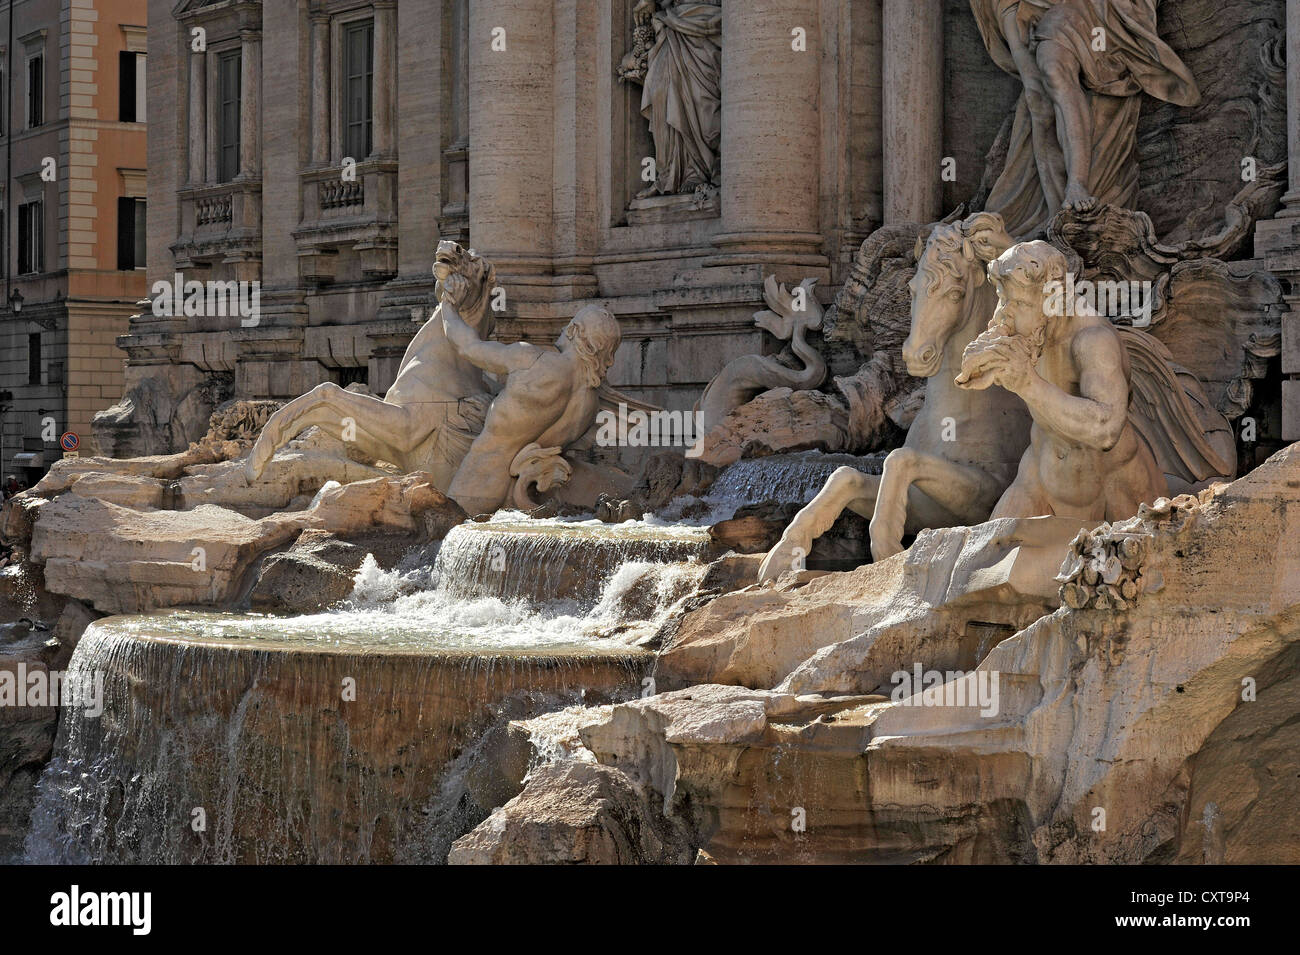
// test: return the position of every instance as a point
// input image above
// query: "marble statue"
(428, 418)
(1085, 458)
(789, 316)
(1122, 423)
(1083, 64)
(960, 454)
(548, 400)
(681, 74)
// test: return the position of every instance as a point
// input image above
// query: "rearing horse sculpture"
(963, 449)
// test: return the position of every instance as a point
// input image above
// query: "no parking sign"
(69, 441)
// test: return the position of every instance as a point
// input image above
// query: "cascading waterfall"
(264, 753)
(793, 478)
(541, 561)
(350, 736)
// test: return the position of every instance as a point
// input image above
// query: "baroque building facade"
(504, 125)
(323, 148)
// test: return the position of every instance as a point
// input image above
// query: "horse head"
(451, 258)
(951, 265)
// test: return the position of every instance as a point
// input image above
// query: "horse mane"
(953, 247)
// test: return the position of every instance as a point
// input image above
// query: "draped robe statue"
(681, 75)
(1083, 64)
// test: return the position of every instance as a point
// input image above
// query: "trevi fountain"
(985, 550)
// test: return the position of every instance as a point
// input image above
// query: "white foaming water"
(510, 584)
(244, 714)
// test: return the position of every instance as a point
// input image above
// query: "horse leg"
(965, 491)
(381, 428)
(847, 488)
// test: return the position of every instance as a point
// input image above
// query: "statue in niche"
(1085, 457)
(677, 59)
(1083, 64)
(548, 401)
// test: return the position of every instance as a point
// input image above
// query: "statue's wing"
(1172, 414)
(611, 398)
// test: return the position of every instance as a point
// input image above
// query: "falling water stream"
(359, 735)
(377, 731)
(793, 478)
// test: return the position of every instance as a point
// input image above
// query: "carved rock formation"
(130, 560)
(1142, 717)
(944, 601)
(576, 812)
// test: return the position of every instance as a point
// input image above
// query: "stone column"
(198, 118)
(320, 89)
(913, 121)
(1291, 201)
(250, 104)
(385, 78)
(771, 145)
(1277, 240)
(511, 134)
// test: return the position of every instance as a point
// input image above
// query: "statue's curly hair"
(596, 337)
(1029, 264)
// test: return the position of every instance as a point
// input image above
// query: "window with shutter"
(228, 117)
(31, 253)
(35, 91)
(130, 233)
(358, 88)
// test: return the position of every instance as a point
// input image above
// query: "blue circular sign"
(69, 441)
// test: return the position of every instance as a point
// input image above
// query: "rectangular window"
(35, 90)
(34, 359)
(31, 237)
(228, 67)
(358, 88)
(130, 233)
(130, 78)
(140, 61)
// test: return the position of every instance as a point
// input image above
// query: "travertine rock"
(27, 733)
(1159, 733)
(128, 561)
(741, 766)
(944, 602)
(777, 421)
(317, 571)
(170, 408)
(575, 812)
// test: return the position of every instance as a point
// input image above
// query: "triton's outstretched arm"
(495, 357)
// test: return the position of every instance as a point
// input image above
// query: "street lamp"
(16, 301)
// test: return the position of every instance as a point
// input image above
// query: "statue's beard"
(1037, 342)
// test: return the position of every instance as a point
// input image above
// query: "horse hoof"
(785, 556)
